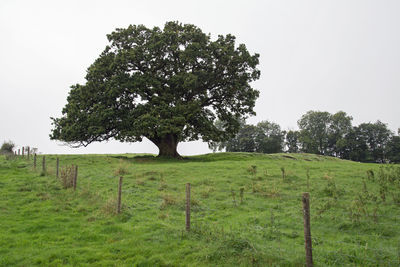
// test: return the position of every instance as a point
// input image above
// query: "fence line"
(306, 211)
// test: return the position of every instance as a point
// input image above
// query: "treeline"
(319, 133)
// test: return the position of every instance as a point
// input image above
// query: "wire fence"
(274, 227)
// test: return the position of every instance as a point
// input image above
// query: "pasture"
(246, 210)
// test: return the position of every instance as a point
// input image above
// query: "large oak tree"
(168, 85)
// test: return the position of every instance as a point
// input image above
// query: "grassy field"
(246, 210)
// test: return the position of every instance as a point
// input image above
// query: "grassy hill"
(355, 211)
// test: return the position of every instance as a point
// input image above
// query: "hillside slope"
(246, 210)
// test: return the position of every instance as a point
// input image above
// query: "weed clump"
(109, 207)
(241, 195)
(139, 182)
(167, 200)
(206, 192)
(163, 184)
(121, 169)
(67, 175)
(233, 193)
(163, 216)
(283, 173)
(252, 170)
(370, 175)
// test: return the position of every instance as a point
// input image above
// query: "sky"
(314, 55)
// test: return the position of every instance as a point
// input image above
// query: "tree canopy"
(320, 133)
(7, 147)
(265, 137)
(168, 85)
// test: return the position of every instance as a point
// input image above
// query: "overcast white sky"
(314, 55)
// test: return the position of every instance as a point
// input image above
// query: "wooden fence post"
(57, 167)
(75, 176)
(44, 165)
(307, 229)
(188, 207)
(23, 151)
(34, 161)
(19, 151)
(29, 152)
(119, 195)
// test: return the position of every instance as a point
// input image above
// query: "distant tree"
(393, 148)
(168, 85)
(220, 145)
(265, 137)
(314, 131)
(244, 141)
(379, 136)
(354, 146)
(7, 147)
(292, 141)
(368, 142)
(269, 138)
(339, 126)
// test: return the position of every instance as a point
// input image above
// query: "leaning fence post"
(307, 229)
(44, 165)
(119, 195)
(188, 207)
(34, 161)
(57, 167)
(75, 176)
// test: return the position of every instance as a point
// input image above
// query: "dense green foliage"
(7, 147)
(167, 85)
(314, 131)
(334, 135)
(319, 133)
(292, 141)
(323, 133)
(393, 150)
(368, 142)
(354, 211)
(265, 137)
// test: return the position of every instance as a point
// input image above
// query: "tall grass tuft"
(283, 173)
(67, 176)
(121, 169)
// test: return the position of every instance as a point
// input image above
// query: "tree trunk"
(167, 146)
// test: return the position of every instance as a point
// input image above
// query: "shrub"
(332, 189)
(7, 147)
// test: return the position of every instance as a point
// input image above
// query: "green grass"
(44, 224)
